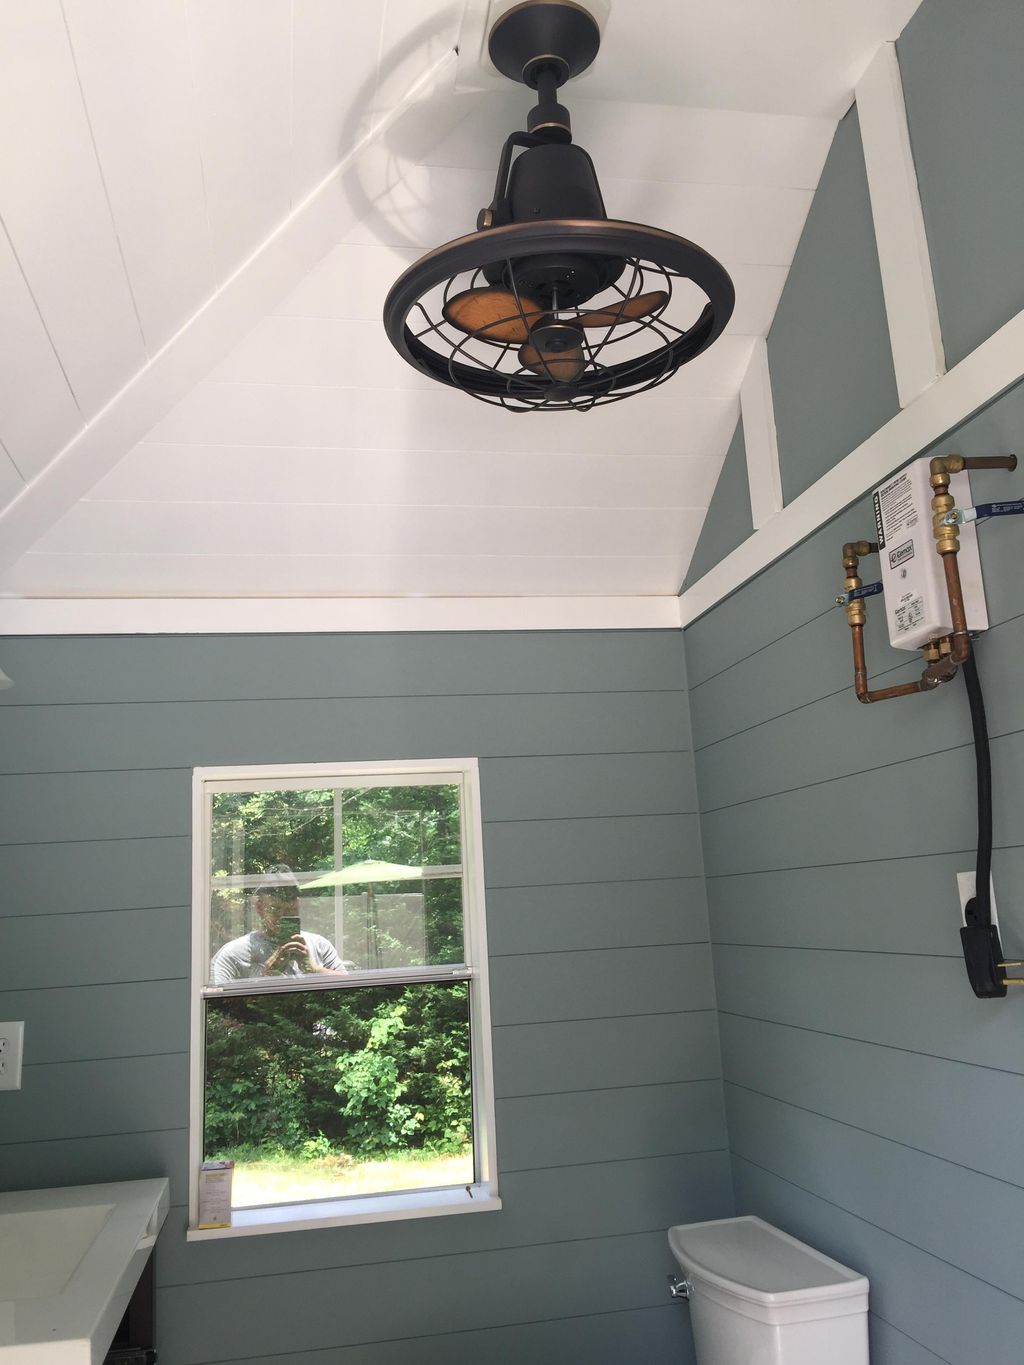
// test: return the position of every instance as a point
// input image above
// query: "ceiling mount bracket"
(544, 36)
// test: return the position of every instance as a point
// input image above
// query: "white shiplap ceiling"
(288, 451)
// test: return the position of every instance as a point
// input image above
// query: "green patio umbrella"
(365, 874)
(357, 874)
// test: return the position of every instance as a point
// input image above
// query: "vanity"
(70, 1261)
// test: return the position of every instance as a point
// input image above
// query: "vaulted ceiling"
(197, 397)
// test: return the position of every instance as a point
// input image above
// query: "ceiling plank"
(54, 205)
(134, 65)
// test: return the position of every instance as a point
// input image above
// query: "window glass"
(334, 880)
(326, 1094)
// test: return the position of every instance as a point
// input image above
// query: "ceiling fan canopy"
(551, 305)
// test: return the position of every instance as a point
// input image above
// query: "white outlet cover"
(10, 1056)
(966, 885)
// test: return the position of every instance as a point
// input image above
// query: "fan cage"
(622, 359)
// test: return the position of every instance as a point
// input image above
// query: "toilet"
(759, 1297)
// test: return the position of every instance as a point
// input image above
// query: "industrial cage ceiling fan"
(551, 305)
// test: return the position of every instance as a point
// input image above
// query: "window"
(340, 1024)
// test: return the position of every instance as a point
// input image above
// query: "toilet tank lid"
(757, 1262)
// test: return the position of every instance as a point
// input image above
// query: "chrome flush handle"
(679, 1289)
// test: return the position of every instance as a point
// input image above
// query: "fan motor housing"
(555, 182)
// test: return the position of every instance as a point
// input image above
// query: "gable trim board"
(996, 366)
(908, 283)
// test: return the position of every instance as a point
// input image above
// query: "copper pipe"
(947, 540)
(956, 464)
(856, 615)
(990, 462)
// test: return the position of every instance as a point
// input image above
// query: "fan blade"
(563, 366)
(629, 310)
(495, 315)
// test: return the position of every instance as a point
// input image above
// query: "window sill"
(329, 1213)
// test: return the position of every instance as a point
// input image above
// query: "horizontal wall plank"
(251, 667)
(166, 734)
(593, 1054)
(332, 1308)
(601, 1339)
(601, 984)
(609, 1125)
(848, 738)
(887, 1346)
(79, 878)
(587, 784)
(964, 1218)
(914, 1292)
(921, 1004)
(784, 597)
(810, 662)
(88, 1099)
(646, 1334)
(524, 853)
(925, 1102)
(896, 905)
(58, 807)
(543, 919)
(812, 826)
(96, 1160)
(89, 949)
(851, 738)
(88, 1023)
(623, 1198)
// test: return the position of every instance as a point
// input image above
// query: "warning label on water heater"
(895, 510)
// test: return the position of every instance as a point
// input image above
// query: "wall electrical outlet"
(12, 1039)
(967, 884)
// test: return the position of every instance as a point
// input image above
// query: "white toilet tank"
(760, 1297)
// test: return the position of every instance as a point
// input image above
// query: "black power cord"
(983, 952)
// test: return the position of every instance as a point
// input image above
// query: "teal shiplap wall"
(609, 1102)
(728, 522)
(961, 67)
(833, 381)
(874, 1106)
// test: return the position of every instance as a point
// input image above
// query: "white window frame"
(482, 1195)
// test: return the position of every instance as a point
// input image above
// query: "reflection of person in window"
(262, 952)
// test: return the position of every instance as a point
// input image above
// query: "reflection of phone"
(288, 928)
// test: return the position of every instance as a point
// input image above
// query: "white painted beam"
(284, 616)
(907, 281)
(996, 365)
(764, 475)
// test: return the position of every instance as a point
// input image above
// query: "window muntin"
(385, 869)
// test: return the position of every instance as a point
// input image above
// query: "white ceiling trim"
(298, 244)
(907, 280)
(995, 366)
(284, 616)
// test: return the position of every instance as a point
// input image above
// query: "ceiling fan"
(550, 305)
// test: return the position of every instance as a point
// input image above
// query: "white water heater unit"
(916, 599)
